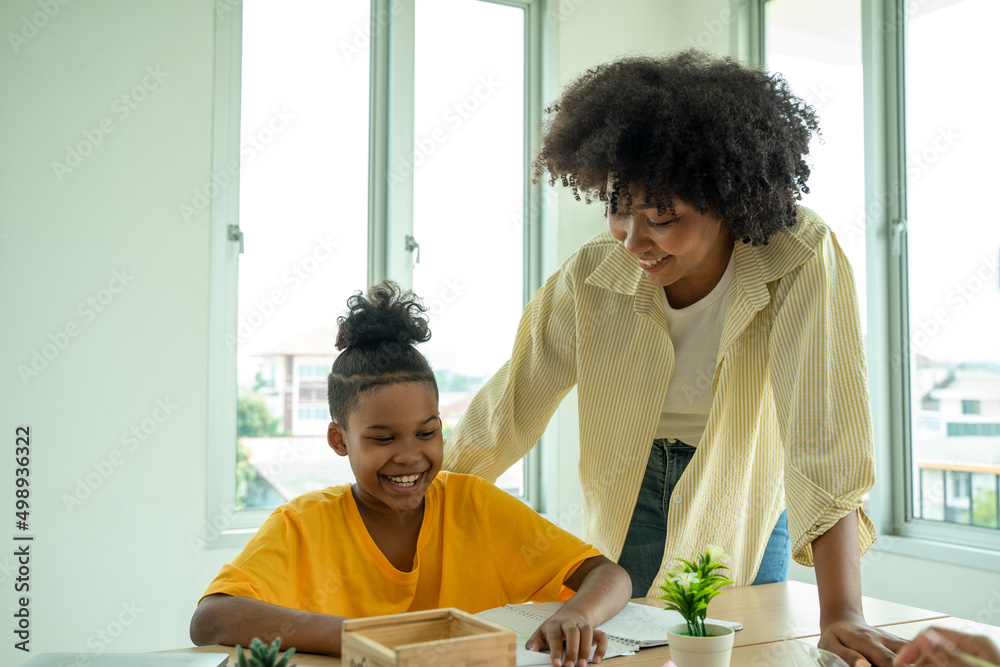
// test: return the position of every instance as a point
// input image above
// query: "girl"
(404, 536)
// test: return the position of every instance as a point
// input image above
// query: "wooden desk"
(790, 610)
(770, 614)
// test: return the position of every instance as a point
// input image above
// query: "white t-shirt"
(695, 332)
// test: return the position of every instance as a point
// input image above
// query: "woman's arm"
(841, 619)
(231, 620)
(510, 412)
(602, 590)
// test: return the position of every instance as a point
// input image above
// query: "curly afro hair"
(725, 138)
(376, 338)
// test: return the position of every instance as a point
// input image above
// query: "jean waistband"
(671, 444)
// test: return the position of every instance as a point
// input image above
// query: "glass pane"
(468, 168)
(304, 213)
(816, 46)
(953, 255)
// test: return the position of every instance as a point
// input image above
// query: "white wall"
(61, 243)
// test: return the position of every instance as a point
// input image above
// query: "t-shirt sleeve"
(532, 555)
(267, 568)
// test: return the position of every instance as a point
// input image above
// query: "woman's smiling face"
(394, 443)
(680, 245)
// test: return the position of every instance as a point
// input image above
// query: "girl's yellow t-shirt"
(479, 548)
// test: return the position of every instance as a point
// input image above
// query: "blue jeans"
(647, 533)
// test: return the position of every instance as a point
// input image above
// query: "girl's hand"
(948, 648)
(570, 633)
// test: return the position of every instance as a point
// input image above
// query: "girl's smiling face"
(394, 443)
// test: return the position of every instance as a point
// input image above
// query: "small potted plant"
(262, 655)
(695, 643)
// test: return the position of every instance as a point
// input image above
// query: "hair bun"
(386, 314)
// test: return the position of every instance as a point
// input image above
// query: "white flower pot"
(712, 651)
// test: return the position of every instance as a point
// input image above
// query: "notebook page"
(639, 623)
(525, 619)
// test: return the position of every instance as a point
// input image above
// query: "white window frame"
(390, 222)
(891, 500)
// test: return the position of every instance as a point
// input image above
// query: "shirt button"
(677, 498)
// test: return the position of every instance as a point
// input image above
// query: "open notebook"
(634, 627)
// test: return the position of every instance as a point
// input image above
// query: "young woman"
(403, 537)
(712, 333)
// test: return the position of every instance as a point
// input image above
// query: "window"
(816, 46)
(293, 238)
(982, 429)
(951, 269)
(926, 263)
(301, 258)
(470, 270)
(973, 407)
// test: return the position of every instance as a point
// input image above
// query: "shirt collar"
(755, 266)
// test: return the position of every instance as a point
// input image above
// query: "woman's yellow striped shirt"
(790, 423)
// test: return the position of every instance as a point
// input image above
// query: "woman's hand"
(570, 633)
(858, 643)
(948, 648)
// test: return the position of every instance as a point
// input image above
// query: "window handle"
(898, 230)
(414, 247)
(234, 233)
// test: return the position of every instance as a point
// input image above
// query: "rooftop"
(318, 342)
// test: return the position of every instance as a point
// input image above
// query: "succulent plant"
(262, 655)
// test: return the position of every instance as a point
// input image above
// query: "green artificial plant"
(690, 590)
(262, 655)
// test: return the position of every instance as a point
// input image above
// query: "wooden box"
(437, 637)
